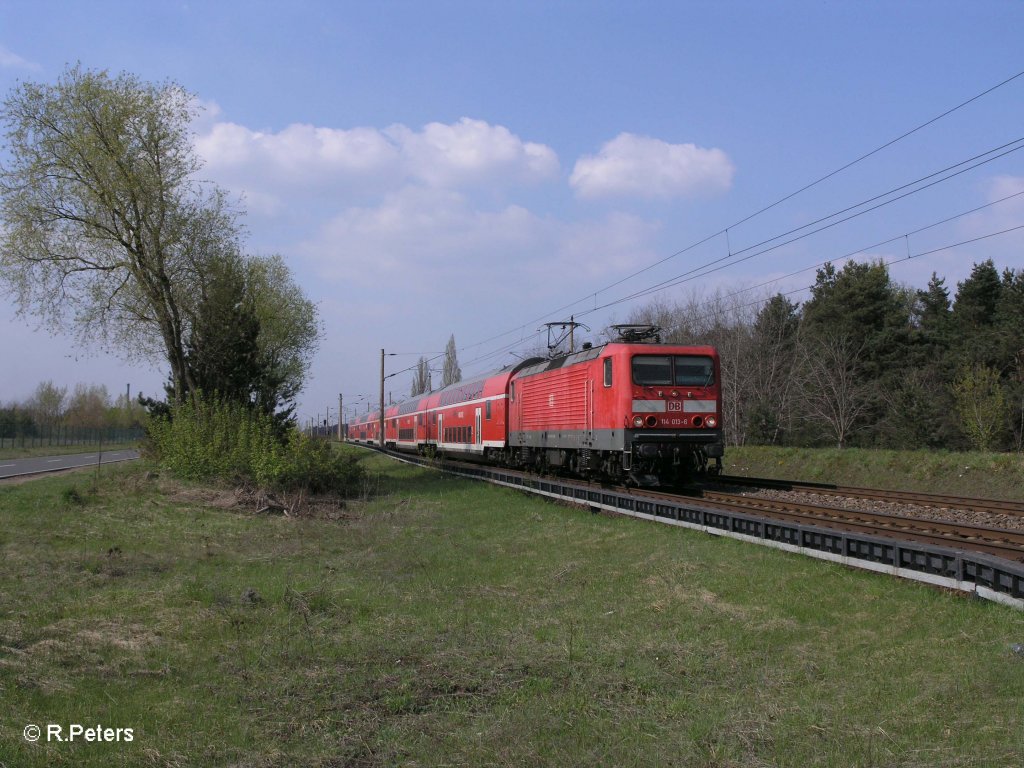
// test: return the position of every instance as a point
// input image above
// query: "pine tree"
(974, 325)
(860, 303)
(862, 307)
(1009, 319)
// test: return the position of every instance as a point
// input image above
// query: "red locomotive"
(633, 409)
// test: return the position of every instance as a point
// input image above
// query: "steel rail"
(996, 541)
(1000, 506)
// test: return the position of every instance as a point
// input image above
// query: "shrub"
(210, 438)
(312, 464)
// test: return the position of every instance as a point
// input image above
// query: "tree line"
(52, 408)
(867, 362)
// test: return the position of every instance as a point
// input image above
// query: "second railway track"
(934, 500)
(993, 540)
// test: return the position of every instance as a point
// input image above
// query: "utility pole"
(572, 327)
(341, 418)
(382, 399)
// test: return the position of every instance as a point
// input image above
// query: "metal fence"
(70, 436)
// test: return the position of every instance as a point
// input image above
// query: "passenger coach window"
(607, 371)
(652, 369)
(694, 371)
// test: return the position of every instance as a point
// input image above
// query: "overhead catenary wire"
(886, 263)
(811, 185)
(907, 189)
(850, 254)
(905, 235)
(723, 262)
(672, 282)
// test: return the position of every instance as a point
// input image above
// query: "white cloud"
(298, 152)
(420, 239)
(420, 232)
(471, 151)
(10, 60)
(631, 165)
(371, 161)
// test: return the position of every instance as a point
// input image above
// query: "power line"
(507, 347)
(889, 263)
(905, 235)
(704, 269)
(791, 195)
(730, 258)
(785, 198)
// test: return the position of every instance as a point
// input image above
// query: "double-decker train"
(633, 409)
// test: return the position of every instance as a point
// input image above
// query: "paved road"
(15, 467)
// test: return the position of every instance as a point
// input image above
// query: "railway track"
(993, 540)
(935, 500)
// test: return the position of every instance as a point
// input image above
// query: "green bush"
(210, 438)
(312, 464)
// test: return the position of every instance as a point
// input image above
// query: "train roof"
(549, 364)
(471, 389)
(591, 353)
(459, 392)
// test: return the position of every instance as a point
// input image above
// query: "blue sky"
(429, 168)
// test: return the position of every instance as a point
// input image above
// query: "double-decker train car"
(631, 409)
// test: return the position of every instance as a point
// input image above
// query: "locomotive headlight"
(638, 421)
(712, 421)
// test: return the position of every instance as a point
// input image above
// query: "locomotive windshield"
(673, 370)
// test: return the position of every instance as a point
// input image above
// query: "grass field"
(995, 475)
(449, 623)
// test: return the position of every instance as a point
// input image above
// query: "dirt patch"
(205, 497)
(251, 500)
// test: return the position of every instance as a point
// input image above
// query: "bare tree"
(88, 406)
(47, 404)
(421, 378)
(773, 351)
(833, 393)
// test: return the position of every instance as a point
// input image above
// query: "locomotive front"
(633, 408)
(671, 410)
